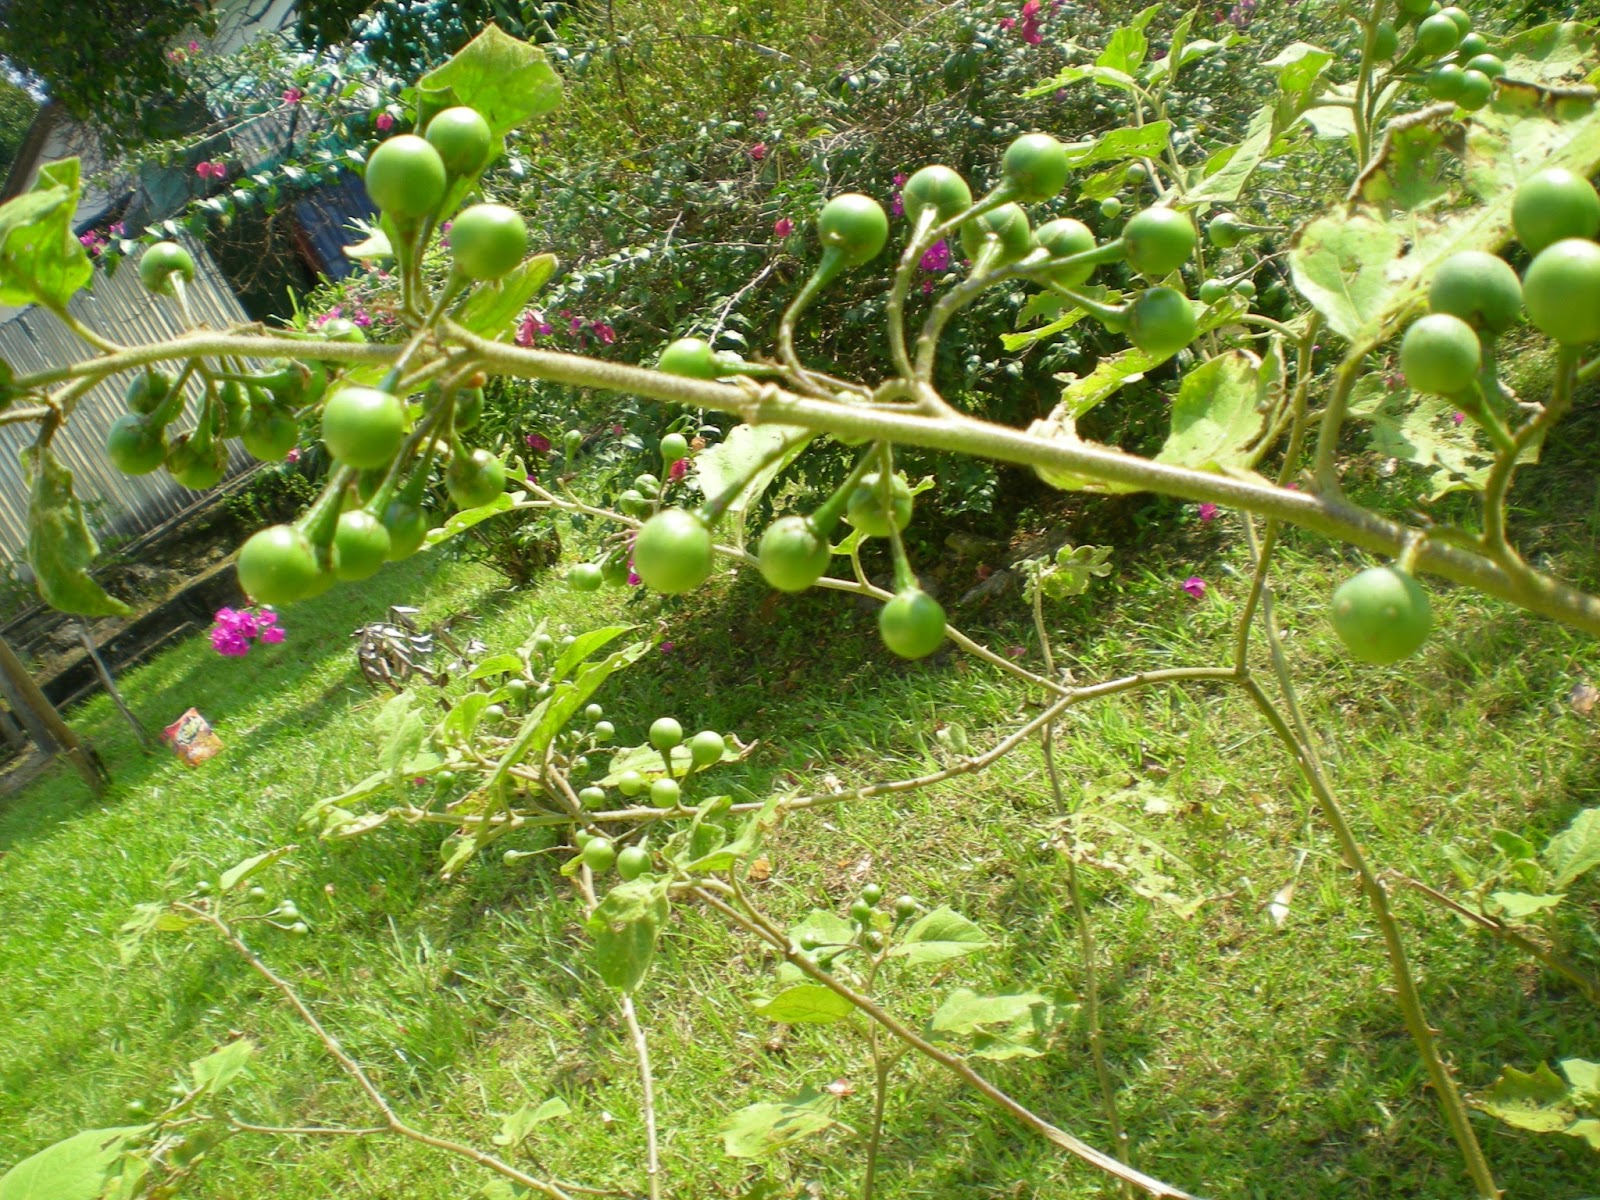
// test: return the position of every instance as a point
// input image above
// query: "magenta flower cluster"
(211, 170)
(234, 629)
(533, 325)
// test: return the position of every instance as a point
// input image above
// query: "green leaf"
(521, 1123)
(60, 546)
(1225, 174)
(496, 664)
(1554, 54)
(75, 1169)
(1221, 409)
(1107, 75)
(492, 309)
(1339, 264)
(1539, 1102)
(749, 459)
(401, 730)
(1126, 48)
(1368, 267)
(806, 1004)
(1584, 1078)
(1518, 905)
(239, 872)
(1005, 1026)
(725, 857)
(1299, 66)
(625, 927)
(468, 517)
(822, 928)
(41, 262)
(504, 78)
(1121, 144)
(938, 937)
(585, 645)
(218, 1069)
(763, 1129)
(1575, 849)
(1588, 1129)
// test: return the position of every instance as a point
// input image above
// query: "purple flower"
(293, 456)
(1195, 586)
(532, 325)
(1208, 511)
(760, 114)
(538, 443)
(633, 577)
(293, 95)
(757, 152)
(1008, 22)
(235, 629)
(575, 325)
(362, 318)
(666, 647)
(1030, 23)
(604, 332)
(1459, 417)
(937, 257)
(384, 122)
(782, 227)
(272, 636)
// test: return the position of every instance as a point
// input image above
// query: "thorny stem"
(1584, 983)
(1080, 913)
(754, 923)
(641, 1048)
(880, 1101)
(1326, 514)
(392, 1122)
(1297, 738)
(1498, 484)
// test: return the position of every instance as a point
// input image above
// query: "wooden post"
(32, 700)
(110, 684)
(11, 731)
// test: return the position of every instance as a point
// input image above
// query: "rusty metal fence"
(119, 308)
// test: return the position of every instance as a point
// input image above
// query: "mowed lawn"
(1252, 1058)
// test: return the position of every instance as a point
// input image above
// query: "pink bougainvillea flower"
(272, 636)
(757, 152)
(1016, 651)
(385, 122)
(616, 431)
(293, 456)
(538, 443)
(233, 630)
(633, 577)
(1208, 511)
(574, 325)
(362, 318)
(604, 332)
(1195, 586)
(678, 469)
(1459, 417)
(194, 47)
(293, 95)
(782, 227)
(1008, 22)
(760, 114)
(937, 257)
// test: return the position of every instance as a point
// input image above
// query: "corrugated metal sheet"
(119, 308)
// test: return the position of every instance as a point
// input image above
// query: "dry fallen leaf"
(1278, 909)
(1583, 697)
(760, 870)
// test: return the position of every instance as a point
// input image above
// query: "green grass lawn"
(1251, 1060)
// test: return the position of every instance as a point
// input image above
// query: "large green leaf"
(1220, 411)
(625, 927)
(806, 1004)
(1575, 849)
(75, 1169)
(938, 937)
(60, 546)
(40, 261)
(217, 1070)
(1368, 266)
(504, 78)
(1008, 1025)
(748, 459)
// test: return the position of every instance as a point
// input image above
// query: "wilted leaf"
(1537, 1101)
(763, 1129)
(519, 1124)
